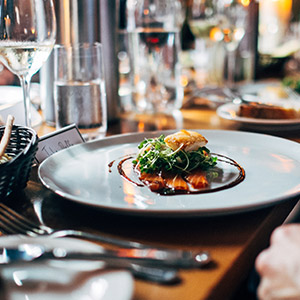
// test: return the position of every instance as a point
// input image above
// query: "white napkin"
(11, 103)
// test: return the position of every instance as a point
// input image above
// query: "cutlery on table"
(144, 260)
(148, 257)
(12, 222)
(35, 253)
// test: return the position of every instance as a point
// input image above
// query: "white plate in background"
(229, 111)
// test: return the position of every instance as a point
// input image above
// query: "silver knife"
(146, 257)
(20, 257)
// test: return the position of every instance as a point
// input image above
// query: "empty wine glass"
(220, 21)
(27, 36)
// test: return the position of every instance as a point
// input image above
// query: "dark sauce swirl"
(229, 183)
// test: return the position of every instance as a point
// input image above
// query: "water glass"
(79, 88)
(154, 44)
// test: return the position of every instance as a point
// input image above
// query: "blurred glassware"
(274, 18)
(27, 36)
(153, 28)
(219, 21)
(278, 39)
(79, 88)
(85, 22)
(124, 88)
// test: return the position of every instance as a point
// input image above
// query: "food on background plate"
(271, 93)
(5, 139)
(178, 162)
(292, 82)
(267, 111)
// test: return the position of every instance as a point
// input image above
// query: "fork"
(12, 222)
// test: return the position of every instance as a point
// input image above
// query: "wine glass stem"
(25, 83)
(230, 68)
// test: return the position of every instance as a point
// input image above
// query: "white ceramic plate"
(229, 111)
(263, 92)
(11, 102)
(62, 280)
(82, 174)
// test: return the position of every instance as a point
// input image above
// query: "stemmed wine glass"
(27, 36)
(220, 21)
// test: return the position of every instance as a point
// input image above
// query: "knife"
(146, 257)
(20, 257)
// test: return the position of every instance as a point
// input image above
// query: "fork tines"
(13, 223)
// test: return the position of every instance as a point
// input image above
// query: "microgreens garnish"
(155, 156)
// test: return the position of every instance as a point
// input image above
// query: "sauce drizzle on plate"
(228, 173)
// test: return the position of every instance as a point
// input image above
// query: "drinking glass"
(27, 36)
(79, 88)
(153, 28)
(220, 21)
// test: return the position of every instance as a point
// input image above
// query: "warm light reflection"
(7, 22)
(134, 199)
(232, 114)
(128, 190)
(141, 126)
(216, 34)
(184, 80)
(149, 253)
(163, 122)
(284, 8)
(286, 165)
(295, 189)
(227, 37)
(146, 11)
(17, 14)
(245, 2)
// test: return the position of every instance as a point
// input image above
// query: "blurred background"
(268, 47)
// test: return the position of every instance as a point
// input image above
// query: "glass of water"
(79, 89)
(154, 44)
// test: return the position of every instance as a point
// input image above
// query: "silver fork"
(12, 222)
(147, 263)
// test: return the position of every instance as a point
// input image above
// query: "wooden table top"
(233, 241)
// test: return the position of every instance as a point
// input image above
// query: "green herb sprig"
(155, 156)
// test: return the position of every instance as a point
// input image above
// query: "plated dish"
(88, 174)
(230, 111)
(269, 105)
(62, 280)
(180, 164)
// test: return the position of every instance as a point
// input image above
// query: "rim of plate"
(131, 138)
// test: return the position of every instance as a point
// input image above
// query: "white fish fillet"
(186, 140)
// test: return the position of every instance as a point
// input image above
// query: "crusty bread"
(266, 111)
